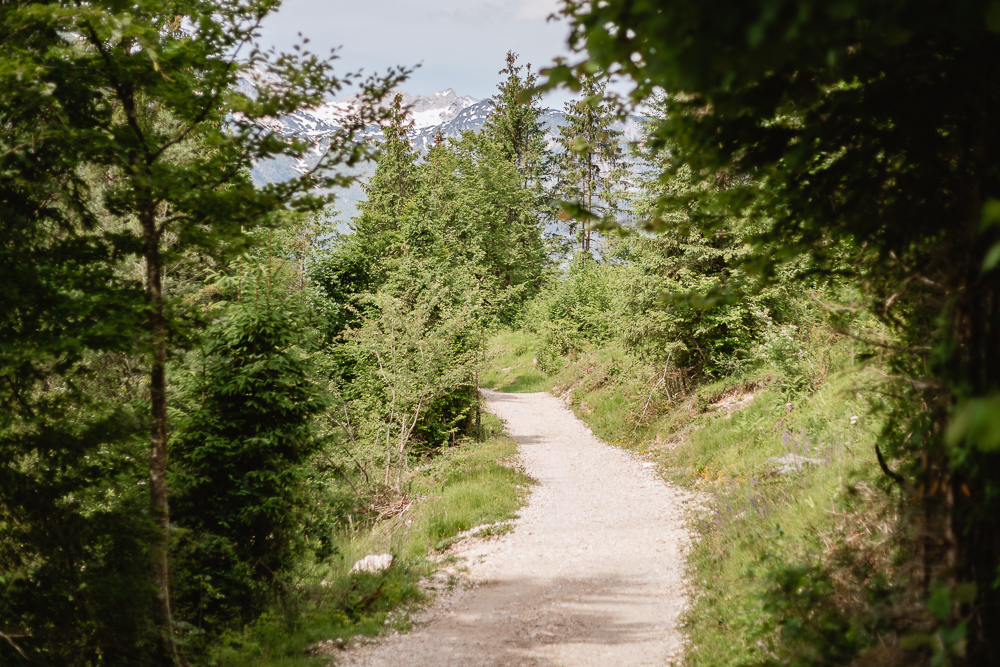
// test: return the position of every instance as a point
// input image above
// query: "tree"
(591, 169)
(865, 130)
(515, 121)
(245, 430)
(442, 250)
(394, 182)
(484, 220)
(143, 96)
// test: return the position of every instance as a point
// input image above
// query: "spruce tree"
(389, 193)
(591, 166)
(515, 122)
(244, 431)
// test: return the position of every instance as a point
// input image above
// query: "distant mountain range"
(443, 112)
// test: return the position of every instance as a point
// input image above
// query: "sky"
(459, 44)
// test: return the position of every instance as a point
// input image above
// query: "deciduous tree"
(144, 96)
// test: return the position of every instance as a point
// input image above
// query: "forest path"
(592, 574)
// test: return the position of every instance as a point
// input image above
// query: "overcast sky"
(460, 43)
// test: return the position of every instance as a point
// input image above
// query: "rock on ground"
(373, 563)
(592, 574)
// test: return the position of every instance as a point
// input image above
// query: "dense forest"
(215, 399)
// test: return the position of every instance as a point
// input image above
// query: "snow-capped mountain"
(426, 111)
(444, 112)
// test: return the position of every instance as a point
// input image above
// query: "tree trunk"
(160, 511)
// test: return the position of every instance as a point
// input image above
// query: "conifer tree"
(394, 183)
(474, 200)
(244, 432)
(591, 166)
(389, 193)
(515, 122)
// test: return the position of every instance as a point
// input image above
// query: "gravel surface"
(591, 575)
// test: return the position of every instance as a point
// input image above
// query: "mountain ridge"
(445, 112)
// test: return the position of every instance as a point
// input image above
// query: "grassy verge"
(473, 484)
(790, 556)
(513, 366)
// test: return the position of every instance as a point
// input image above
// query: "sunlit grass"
(512, 366)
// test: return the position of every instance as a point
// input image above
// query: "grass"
(769, 546)
(337, 610)
(765, 541)
(513, 366)
(758, 521)
(473, 484)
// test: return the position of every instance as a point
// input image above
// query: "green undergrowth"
(471, 485)
(513, 366)
(790, 566)
(468, 485)
(320, 610)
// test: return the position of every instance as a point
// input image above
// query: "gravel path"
(592, 575)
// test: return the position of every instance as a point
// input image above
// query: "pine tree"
(485, 220)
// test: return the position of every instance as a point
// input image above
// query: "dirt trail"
(591, 575)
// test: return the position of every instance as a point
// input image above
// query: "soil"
(591, 575)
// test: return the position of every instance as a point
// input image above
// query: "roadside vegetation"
(794, 517)
(786, 292)
(475, 483)
(794, 558)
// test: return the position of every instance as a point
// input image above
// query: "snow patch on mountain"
(444, 113)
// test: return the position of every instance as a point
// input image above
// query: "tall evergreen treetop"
(592, 172)
(393, 184)
(515, 123)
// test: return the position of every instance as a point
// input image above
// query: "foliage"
(413, 357)
(125, 152)
(242, 438)
(866, 129)
(591, 169)
(515, 122)
(324, 617)
(466, 486)
(648, 296)
(443, 249)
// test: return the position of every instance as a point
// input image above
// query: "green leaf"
(939, 603)
(977, 419)
(990, 214)
(992, 258)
